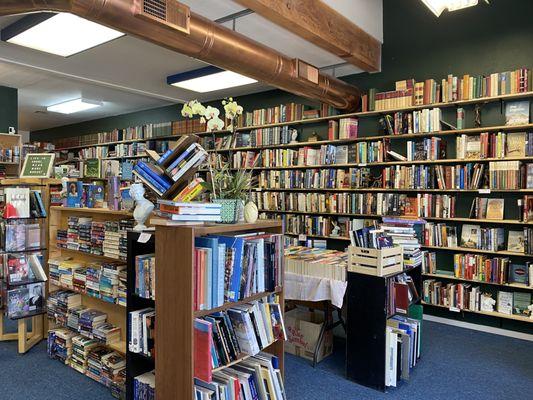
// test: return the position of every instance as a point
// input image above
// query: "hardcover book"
(521, 302)
(517, 113)
(470, 236)
(516, 144)
(505, 302)
(518, 273)
(495, 209)
(515, 241)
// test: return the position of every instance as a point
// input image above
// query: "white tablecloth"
(310, 288)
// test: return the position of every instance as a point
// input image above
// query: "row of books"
(20, 202)
(141, 338)
(145, 276)
(10, 154)
(20, 235)
(329, 178)
(465, 296)
(420, 121)
(64, 308)
(401, 293)
(232, 268)
(272, 115)
(105, 281)
(144, 386)
(452, 88)
(344, 128)
(426, 149)
(371, 204)
(319, 226)
(226, 336)
(510, 175)
(402, 351)
(103, 238)
(320, 263)
(494, 145)
(88, 357)
(258, 377)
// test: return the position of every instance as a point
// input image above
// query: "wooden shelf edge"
(85, 294)
(91, 210)
(489, 313)
(454, 278)
(469, 250)
(203, 313)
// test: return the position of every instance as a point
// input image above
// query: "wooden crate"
(375, 262)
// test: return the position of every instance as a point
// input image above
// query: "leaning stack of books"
(190, 213)
(404, 234)
(321, 263)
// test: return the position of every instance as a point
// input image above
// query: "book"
(203, 342)
(495, 209)
(516, 144)
(17, 202)
(93, 168)
(505, 302)
(515, 241)
(470, 236)
(517, 112)
(521, 302)
(518, 273)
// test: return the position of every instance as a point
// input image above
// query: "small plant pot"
(230, 210)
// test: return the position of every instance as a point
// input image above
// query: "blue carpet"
(457, 364)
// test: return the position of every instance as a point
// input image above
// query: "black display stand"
(366, 326)
(136, 364)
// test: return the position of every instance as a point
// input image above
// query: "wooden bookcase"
(27, 338)
(174, 343)
(366, 326)
(116, 314)
(8, 141)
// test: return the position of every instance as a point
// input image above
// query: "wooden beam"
(321, 25)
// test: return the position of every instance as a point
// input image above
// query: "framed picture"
(38, 165)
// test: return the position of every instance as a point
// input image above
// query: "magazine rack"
(27, 338)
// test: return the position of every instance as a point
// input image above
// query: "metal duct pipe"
(207, 41)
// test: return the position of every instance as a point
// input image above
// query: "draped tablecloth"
(311, 288)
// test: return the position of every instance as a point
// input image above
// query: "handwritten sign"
(38, 165)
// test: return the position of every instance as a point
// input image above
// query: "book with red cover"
(203, 341)
(401, 297)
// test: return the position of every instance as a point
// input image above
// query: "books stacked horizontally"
(259, 375)
(404, 234)
(59, 344)
(321, 263)
(224, 337)
(183, 213)
(232, 268)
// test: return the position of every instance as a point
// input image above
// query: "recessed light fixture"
(438, 6)
(208, 79)
(62, 34)
(74, 106)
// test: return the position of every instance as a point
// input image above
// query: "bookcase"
(10, 154)
(59, 219)
(367, 298)
(29, 338)
(174, 303)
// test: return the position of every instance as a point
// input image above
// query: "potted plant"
(230, 190)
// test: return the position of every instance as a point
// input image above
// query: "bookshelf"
(489, 313)
(367, 298)
(26, 336)
(116, 313)
(11, 165)
(174, 251)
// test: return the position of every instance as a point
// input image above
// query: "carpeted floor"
(457, 364)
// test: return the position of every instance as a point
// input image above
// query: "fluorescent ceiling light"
(208, 79)
(62, 34)
(74, 106)
(438, 6)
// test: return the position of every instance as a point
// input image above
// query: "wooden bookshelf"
(480, 191)
(174, 250)
(116, 313)
(8, 141)
(489, 313)
(453, 278)
(469, 250)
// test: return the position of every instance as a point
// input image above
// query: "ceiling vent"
(168, 12)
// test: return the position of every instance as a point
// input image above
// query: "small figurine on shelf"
(530, 308)
(487, 302)
(336, 229)
(294, 135)
(143, 207)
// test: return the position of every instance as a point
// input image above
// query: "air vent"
(168, 12)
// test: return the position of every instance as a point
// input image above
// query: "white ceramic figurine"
(143, 207)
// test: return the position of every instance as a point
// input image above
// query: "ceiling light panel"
(62, 34)
(208, 79)
(74, 106)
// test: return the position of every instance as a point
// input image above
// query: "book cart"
(30, 324)
(174, 331)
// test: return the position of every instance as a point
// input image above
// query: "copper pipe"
(207, 41)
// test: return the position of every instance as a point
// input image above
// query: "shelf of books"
(217, 295)
(23, 255)
(87, 286)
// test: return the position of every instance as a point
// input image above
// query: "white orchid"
(215, 124)
(211, 112)
(198, 108)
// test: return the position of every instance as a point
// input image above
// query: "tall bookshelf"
(174, 337)
(11, 165)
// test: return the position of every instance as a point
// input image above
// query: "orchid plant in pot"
(229, 189)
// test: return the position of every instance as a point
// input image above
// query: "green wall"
(8, 108)
(479, 40)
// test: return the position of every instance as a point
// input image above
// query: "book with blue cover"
(233, 270)
(143, 174)
(182, 156)
(217, 295)
(156, 174)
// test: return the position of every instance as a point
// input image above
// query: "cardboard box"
(303, 331)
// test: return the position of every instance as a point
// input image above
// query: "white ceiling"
(129, 74)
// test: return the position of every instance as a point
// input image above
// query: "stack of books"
(321, 263)
(190, 213)
(81, 346)
(404, 234)
(122, 287)
(144, 386)
(113, 364)
(88, 321)
(94, 362)
(97, 238)
(59, 344)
